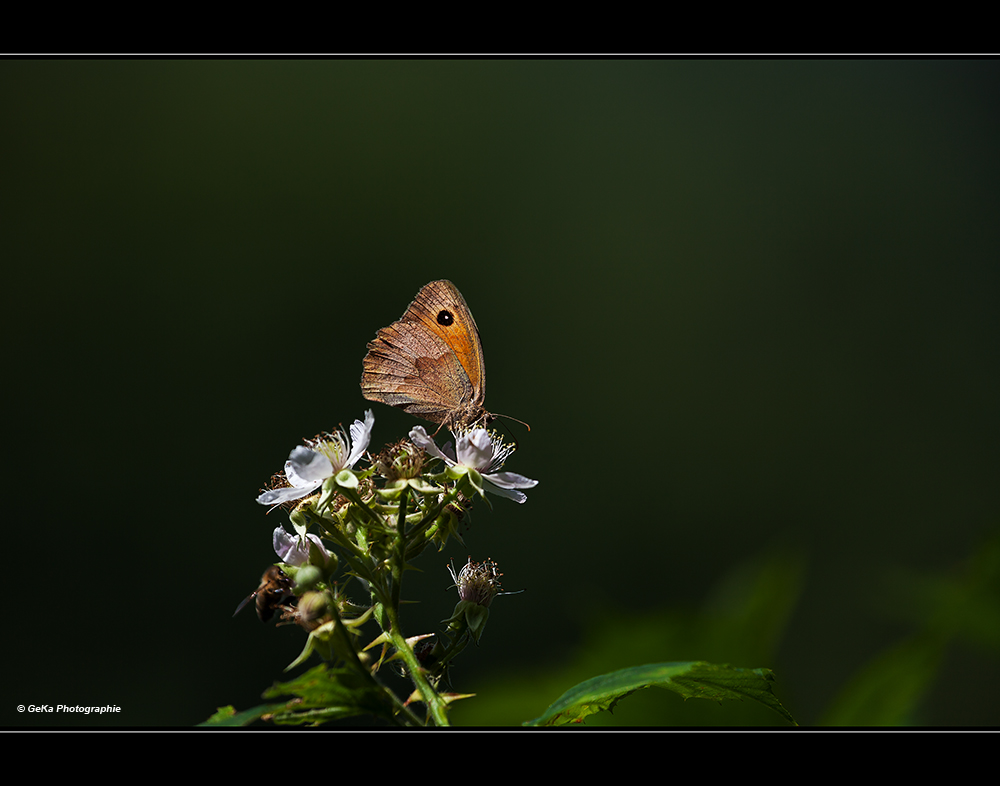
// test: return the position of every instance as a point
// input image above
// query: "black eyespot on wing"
(445, 317)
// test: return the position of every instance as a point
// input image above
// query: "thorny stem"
(399, 555)
(436, 706)
(355, 661)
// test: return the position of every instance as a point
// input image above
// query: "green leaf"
(228, 717)
(324, 693)
(695, 679)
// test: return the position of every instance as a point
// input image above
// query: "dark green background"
(748, 308)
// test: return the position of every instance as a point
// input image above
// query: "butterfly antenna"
(508, 417)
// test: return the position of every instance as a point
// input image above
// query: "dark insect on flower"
(274, 590)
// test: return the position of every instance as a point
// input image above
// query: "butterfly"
(430, 362)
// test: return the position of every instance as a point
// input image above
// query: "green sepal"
(346, 479)
(468, 615)
(477, 616)
(320, 640)
(378, 609)
(326, 641)
(456, 472)
(392, 489)
(423, 486)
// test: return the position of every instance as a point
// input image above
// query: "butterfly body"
(430, 362)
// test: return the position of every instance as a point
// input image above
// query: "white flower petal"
(511, 480)
(305, 466)
(418, 436)
(517, 496)
(286, 494)
(475, 449)
(361, 434)
(283, 543)
(294, 549)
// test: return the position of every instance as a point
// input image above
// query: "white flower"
(294, 549)
(479, 450)
(308, 467)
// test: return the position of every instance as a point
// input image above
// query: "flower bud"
(400, 461)
(478, 583)
(313, 609)
(307, 577)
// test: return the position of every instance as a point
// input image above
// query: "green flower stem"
(347, 646)
(405, 545)
(333, 533)
(356, 557)
(432, 515)
(399, 550)
(354, 554)
(390, 600)
(436, 706)
(360, 504)
(456, 646)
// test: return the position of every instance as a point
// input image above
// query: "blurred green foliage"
(743, 622)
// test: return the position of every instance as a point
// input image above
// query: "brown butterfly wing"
(430, 362)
